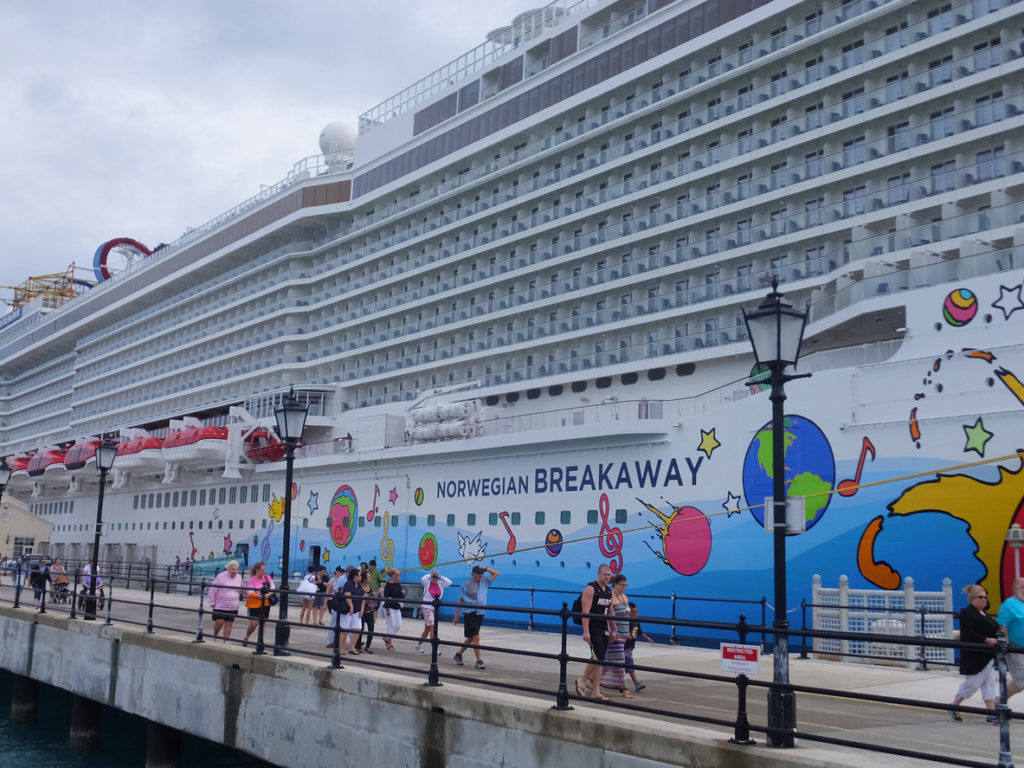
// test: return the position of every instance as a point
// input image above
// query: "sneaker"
(458, 659)
(419, 648)
(640, 686)
(480, 664)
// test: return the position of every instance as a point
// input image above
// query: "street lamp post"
(105, 454)
(291, 421)
(776, 331)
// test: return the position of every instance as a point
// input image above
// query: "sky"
(125, 118)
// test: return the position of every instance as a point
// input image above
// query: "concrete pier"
(24, 700)
(163, 745)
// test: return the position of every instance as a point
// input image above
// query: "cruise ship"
(513, 297)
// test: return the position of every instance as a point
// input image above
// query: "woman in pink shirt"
(225, 595)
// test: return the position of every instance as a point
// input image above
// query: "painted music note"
(850, 487)
(192, 539)
(373, 510)
(387, 545)
(610, 539)
(503, 516)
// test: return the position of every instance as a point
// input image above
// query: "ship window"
(159, 500)
(133, 526)
(394, 521)
(243, 494)
(604, 382)
(511, 397)
(621, 515)
(176, 498)
(167, 499)
(192, 498)
(252, 493)
(200, 525)
(252, 523)
(149, 526)
(630, 378)
(591, 516)
(172, 525)
(135, 501)
(233, 495)
(579, 386)
(532, 394)
(305, 522)
(492, 399)
(222, 494)
(431, 521)
(202, 497)
(555, 390)
(685, 369)
(377, 521)
(471, 519)
(492, 518)
(142, 499)
(220, 525)
(412, 521)
(264, 523)
(566, 517)
(515, 518)
(656, 374)
(231, 524)
(165, 525)
(538, 517)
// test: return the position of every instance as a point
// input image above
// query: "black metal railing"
(153, 615)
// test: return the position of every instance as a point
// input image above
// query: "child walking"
(635, 631)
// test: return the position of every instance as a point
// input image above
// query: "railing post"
(803, 626)
(741, 730)
(110, 603)
(672, 637)
(922, 654)
(199, 623)
(152, 603)
(18, 578)
(336, 655)
(74, 595)
(764, 622)
(741, 629)
(42, 600)
(434, 674)
(128, 578)
(844, 616)
(260, 647)
(530, 626)
(1002, 708)
(562, 697)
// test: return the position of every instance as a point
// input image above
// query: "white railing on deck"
(883, 611)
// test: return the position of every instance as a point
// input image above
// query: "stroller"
(61, 594)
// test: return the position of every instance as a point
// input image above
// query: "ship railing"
(547, 676)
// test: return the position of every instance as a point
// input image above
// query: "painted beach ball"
(553, 542)
(418, 496)
(960, 307)
(428, 550)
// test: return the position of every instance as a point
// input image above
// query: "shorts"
(471, 623)
(1015, 666)
(320, 600)
(351, 622)
(427, 612)
(598, 645)
(259, 613)
(228, 616)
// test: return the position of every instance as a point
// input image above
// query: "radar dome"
(337, 139)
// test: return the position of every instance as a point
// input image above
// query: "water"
(122, 738)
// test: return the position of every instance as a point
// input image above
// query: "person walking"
(323, 578)
(370, 603)
(225, 595)
(376, 577)
(352, 622)
(473, 601)
(394, 592)
(635, 632)
(976, 626)
(257, 602)
(38, 578)
(1011, 619)
(434, 585)
(614, 673)
(596, 599)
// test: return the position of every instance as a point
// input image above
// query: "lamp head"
(106, 452)
(5, 473)
(291, 418)
(776, 329)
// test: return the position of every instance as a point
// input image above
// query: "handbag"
(272, 600)
(306, 587)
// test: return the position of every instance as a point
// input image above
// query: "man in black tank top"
(597, 598)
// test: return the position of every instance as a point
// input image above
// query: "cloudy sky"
(140, 119)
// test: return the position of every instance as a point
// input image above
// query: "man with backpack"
(596, 599)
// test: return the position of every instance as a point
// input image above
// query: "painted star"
(708, 442)
(977, 436)
(327, 555)
(731, 505)
(313, 502)
(1005, 303)
(393, 495)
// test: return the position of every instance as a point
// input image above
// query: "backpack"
(577, 609)
(338, 603)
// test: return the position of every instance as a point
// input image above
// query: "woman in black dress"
(976, 626)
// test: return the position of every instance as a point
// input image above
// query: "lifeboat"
(141, 452)
(48, 460)
(19, 470)
(263, 446)
(81, 454)
(196, 444)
